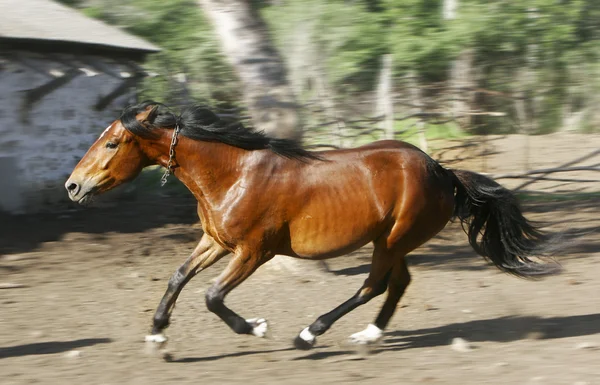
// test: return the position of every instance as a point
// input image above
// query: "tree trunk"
(461, 82)
(269, 97)
(385, 100)
(449, 9)
(325, 98)
(246, 43)
(416, 98)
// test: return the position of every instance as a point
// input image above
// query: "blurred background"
(508, 88)
(467, 67)
(464, 76)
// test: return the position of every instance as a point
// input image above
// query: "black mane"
(200, 123)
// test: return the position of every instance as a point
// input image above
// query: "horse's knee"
(378, 290)
(373, 288)
(176, 279)
(366, 294)
(214, 299)
(215, 303)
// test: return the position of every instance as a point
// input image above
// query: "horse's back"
(388, 143)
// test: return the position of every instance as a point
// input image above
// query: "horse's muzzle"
(78, 192)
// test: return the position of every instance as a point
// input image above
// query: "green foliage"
(544, 41)
(347, 37)
(93, 12)
(547, 50)
(188, 46)
(419, 39)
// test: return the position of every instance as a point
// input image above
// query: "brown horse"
(259, 196)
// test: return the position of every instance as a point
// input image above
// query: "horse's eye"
(111, 145)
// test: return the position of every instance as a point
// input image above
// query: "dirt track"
(92, 279)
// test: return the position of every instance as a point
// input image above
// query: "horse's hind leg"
(397, 284)
(204, 255)
(375, 284)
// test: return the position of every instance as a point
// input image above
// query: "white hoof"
(371, 335)
(307, 336)
(155, 344)
(156, 338)
(305, 340)
(260, 326)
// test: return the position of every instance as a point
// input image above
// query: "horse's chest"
(232, 225)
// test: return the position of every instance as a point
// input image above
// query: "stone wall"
(46, 125)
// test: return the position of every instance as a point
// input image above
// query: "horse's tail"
(492, 213)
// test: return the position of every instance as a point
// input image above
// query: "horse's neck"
(208, 169)
(212, 172)
(216, 174)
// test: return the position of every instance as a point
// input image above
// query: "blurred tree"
(246, 43)
(546, 52)
(190, 57)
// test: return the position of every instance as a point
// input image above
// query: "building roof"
(51, 22)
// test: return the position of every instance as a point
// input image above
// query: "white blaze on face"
(105, 131)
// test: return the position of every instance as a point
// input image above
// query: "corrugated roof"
(50, 21)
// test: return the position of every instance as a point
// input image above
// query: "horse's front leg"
(240, 267)
(204, 255)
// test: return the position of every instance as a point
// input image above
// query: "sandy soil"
(79, 288)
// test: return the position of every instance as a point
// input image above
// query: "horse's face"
(115, 158)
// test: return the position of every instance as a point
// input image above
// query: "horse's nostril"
(72, 187)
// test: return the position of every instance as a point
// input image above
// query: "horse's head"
(116, 157)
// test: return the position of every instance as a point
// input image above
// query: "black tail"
(492, 213)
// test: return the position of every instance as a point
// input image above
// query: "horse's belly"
(324, 236)
(345, 208)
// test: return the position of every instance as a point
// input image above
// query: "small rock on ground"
(461, 345)
(8, 285)
(73, 354)
(586, 345)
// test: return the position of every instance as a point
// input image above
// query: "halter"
(171, 162)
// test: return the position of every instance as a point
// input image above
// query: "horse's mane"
(200, 123)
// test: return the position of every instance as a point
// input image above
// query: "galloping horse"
(259, 196)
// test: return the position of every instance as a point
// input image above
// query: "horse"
(260, 196)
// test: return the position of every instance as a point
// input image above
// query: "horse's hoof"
(155, 344)
(260, 326)
(156, 338)
(370, 336)
(305, 340)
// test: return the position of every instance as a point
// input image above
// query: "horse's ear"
(147, 117)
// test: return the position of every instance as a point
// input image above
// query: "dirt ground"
(79, 287)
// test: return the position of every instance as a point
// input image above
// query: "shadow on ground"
(49, 347)
(231, 355)
(503, 329)
(23, 233)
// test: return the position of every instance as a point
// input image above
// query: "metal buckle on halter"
(171, 161)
